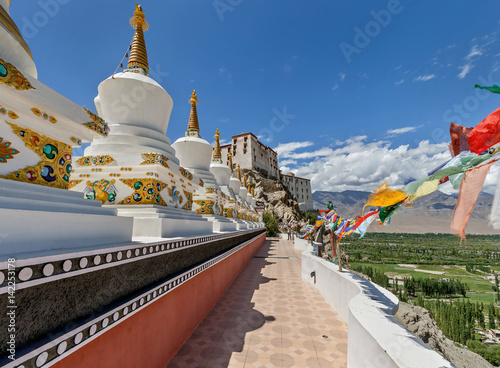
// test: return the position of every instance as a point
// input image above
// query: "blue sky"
(349, 93)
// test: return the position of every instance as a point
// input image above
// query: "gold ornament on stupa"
(193, 129)
(230, 159)
(244, 185)
(217, 155)
(253, 191)
(138, 59)
(238, 172)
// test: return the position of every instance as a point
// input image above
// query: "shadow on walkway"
(222, 332)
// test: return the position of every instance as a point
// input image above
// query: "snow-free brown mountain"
(430, 213)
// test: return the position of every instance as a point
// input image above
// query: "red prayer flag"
(485, 134)
(459, 136)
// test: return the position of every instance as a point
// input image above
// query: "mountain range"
(431, 213)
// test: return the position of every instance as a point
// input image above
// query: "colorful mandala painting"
(189, 201)
(54, 167)
(146, 191)
(206, 207)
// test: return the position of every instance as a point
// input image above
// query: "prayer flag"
(469, 191)
(384, 196)
(494, 88)
(459, 136)
(486, 133)
(495, 209)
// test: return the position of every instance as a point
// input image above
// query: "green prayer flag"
(386, 212)
(494, 88)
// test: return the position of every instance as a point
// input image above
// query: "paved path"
(268, 317)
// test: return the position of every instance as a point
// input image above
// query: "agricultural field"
(431, 255)
(458, 284)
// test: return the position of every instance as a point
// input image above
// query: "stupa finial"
(238, 172)
(230, 159)
(244, 185)
(253, 190)
(193, 126)
(138, 60)
(217, 155)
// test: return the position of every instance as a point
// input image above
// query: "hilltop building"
(248, 152)
(300, 188)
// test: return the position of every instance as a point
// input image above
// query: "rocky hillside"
(275, 197)
(419, 322)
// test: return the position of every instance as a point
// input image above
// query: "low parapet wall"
(141, 303)
(375, 338)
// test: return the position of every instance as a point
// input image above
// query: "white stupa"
(195, 154)
(222, 174)
(38, 129)
(135, 168)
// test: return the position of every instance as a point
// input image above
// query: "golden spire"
(138, 55)
(249, 188)
(244, 180)
(193, 126)
(238, 172)
(217, 155)
(230, 158)
(253, 191)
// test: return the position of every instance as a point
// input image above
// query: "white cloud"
(424, 78)
(288, 162)
(336, 86)
(465, 69)
(287, 68)
(325, 151)
(358, 138)
(284, 149)
(401, 81)
(342, 76)
(394, 132)
(475, 51)
(361, 165)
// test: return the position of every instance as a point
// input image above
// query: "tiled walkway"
(268, 317)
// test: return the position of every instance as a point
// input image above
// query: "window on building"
(254, 158)
(234, 141)
(245, 139)
(244, 151)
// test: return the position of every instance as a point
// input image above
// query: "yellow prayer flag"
(384, 196)
(426, 188)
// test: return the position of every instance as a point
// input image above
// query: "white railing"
(375, 338)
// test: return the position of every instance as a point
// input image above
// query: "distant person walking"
(289, 231)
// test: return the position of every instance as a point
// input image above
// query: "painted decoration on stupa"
(12, 77)
(54, 167)
(101, 190)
